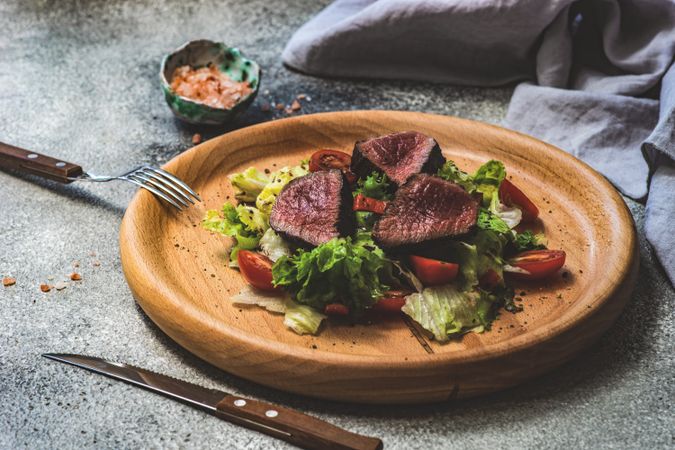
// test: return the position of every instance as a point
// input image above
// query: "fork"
(161, 183)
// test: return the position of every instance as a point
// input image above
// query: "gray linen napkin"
(593, 73)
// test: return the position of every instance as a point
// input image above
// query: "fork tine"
(175, 179)
(168, 183)
(159, 186)
(154, 191)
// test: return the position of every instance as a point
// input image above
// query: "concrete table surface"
(79, 80)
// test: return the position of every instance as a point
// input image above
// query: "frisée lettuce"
(229, 222)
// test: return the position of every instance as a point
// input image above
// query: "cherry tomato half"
(510, 195)
(539, 263)
(433, 272)
(391, 302)
(336, 309)
(256, 269)
(332, 159)
(363, 203)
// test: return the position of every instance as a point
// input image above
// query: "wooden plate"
(177, 270)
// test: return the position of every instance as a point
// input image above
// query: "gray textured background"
(79, 81)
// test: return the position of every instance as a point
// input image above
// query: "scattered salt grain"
(61, 285)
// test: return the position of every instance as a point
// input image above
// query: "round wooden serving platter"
(177, 270)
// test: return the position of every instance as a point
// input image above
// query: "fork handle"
(20, 160)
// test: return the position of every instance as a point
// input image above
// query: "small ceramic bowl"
(198, 54)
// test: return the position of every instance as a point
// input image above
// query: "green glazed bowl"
(199, 54)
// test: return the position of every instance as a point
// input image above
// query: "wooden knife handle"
(15, 158)
(292, 426)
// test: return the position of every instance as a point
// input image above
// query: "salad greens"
(299, 318)
(529, 241)
(245, 223)
(376, 185)
(340, 271)
(355, 272)
(279, 179)
(274, 246)
(451, 172)
(487, 179)
(248, 184)
(445, 310)
(230, 223)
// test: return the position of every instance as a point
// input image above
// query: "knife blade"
(283, 423)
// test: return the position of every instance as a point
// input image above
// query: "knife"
(282, 423)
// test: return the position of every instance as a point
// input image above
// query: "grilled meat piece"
(314, 209)
(398, 155)
(425, 209)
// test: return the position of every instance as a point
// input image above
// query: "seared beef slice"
(314, 209)
(424, 209)
(398, 155)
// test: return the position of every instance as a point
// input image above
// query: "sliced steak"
(426, 208)
(314, 209)
(398, 155)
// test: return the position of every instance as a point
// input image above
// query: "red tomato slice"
(389, 304)
(332, 159)
(433, 272)
(336, 309)
(256, 269)
(363, 203)
(539, 263)
(510, 195)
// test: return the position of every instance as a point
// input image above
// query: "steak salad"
(395, 228)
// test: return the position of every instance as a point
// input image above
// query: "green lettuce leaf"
(299, 318)
(229, 223)
(488, 221)
(254, 219)
(529, 241)
(376, 185)
(365, 219)
(303, 319)
(481, 252)
(451, 172)
(445, 311)
(248, 184)
(339, 271)
(487, 179)
(268, 195)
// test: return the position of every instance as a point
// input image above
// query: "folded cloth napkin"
(598, 75)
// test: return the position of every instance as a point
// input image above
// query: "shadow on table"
(73, 191)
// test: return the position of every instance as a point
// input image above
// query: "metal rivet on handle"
(240, 402)
(271, 413)
(60, 164)
(32, 156)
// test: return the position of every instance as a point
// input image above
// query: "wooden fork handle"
(291, 426)
(20, 160)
